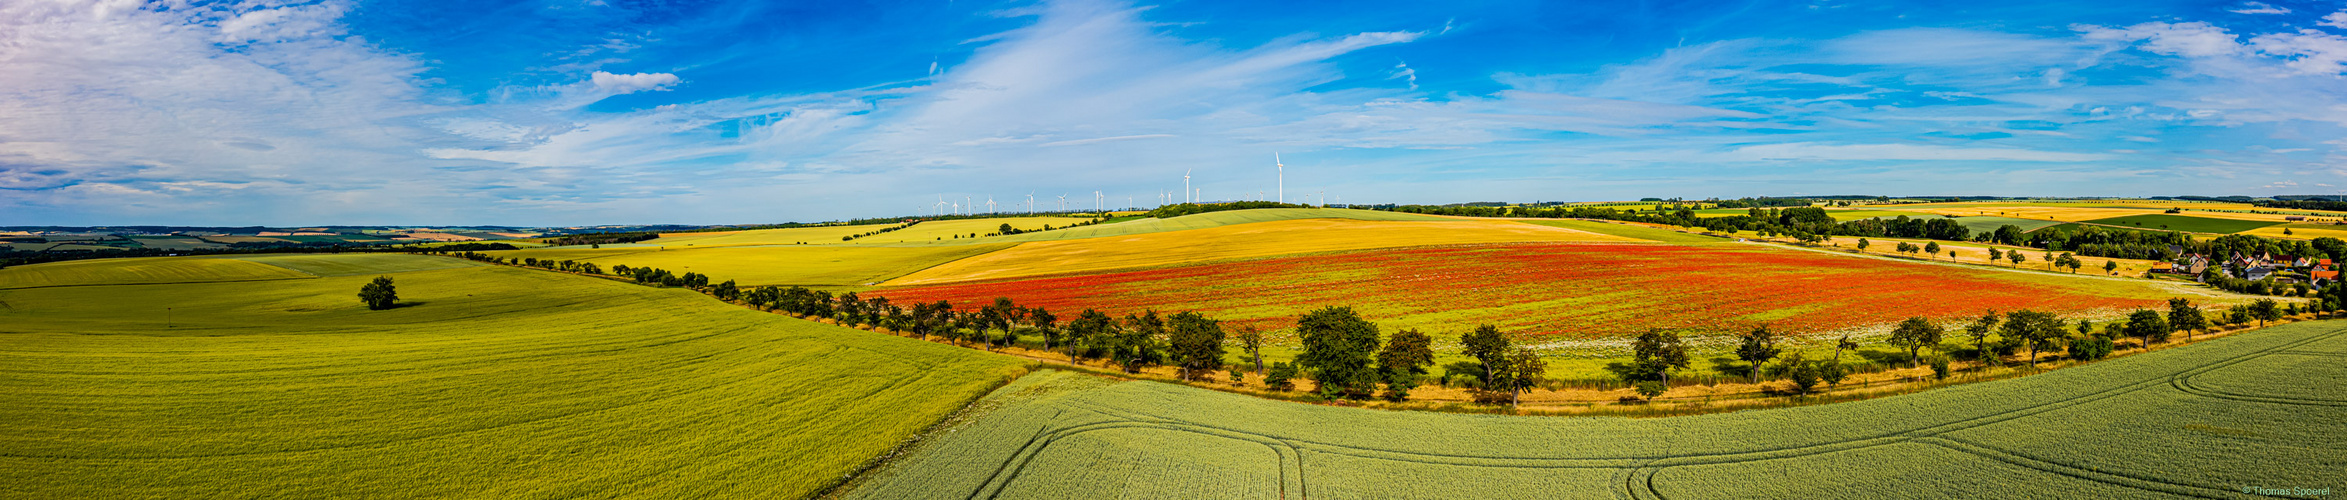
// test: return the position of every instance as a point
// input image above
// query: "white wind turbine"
(1063, 202)
(967, 207)
(1030, 203)
(1099, 204)
(941, 205)
(989, 204)
(1186, 186)
(1283, 176)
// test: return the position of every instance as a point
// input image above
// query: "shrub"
(1651, 388)
(1281, 377)
(1939, 367)
(2090, 348)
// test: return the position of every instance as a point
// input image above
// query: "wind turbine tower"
(990, 204)
(1186, 187)
(1283, 176)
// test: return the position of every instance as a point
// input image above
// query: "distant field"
(2301, 231)
(245, 239)
(809, 265)
(1260, 239)
(497, 383)
(1848, 214)
(357, 263)
(1217, 219)
(830, 235)
(1567, 291)
(2198, 421)
(2183, 223)
(174, 242)
(1625, 230)
(141, 270)
(1985, 224)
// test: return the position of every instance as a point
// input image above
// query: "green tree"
(1656, 352)
(1522, 369)
(1862, 243)
(2016, 257)
(2184, 316)
(1197, 344)
(2265, 310)
(1251, 340)
(1995, 255)
(1979, 331)
(1488, 346)
(1136, 345)
(2035, 330)
(1915, 334)
(1406, 355)
(379, 294)
(1045, 324)
(2111, 266)
(2147, 324)
(1759, 345)
(1337, 349)
(1932, 248)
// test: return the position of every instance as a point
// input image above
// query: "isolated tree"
(1337, 349)
(1197, 344)
(2264, 310)
(1932, 248)
(1979, 331)
(1759, 346)
(1488, 346)
(2147, 324)
(379, 294)
(2035, 330)
(2111, 266)
(1656, 352)
(2184, 316)
(1522, 369)
(1995, 255)
(1862, 243)
(1915, 334)
(1405, 357)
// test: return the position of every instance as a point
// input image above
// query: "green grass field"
(141, 270)
(496, 383)
(2185, 223)
(1989, 224)
(2203, 421)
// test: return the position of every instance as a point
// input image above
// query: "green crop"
(488, 382)
(2206, 420)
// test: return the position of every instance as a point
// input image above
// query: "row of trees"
(601, 238)
(852, 237)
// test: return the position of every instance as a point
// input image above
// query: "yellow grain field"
(1263, 239)
(830, 235)
(2300, 231)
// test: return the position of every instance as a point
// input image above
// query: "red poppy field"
(1563, 290)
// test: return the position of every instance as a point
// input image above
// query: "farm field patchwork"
(1568, 291)
(1625, 230)
(356, 263)
(1237, 241)
(141, 270)
(2185, 223)
(495, 383)
(1986, 224)
(807, 265)
(2173, 423)
(2300, 231)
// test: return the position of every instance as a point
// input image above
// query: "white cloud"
(1080, 142)
(2258, 8)
(632, 83)
(2193, 39)
(2308, 52)
(2335, 20)
(284, 23)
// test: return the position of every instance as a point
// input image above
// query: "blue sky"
(567, 112)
